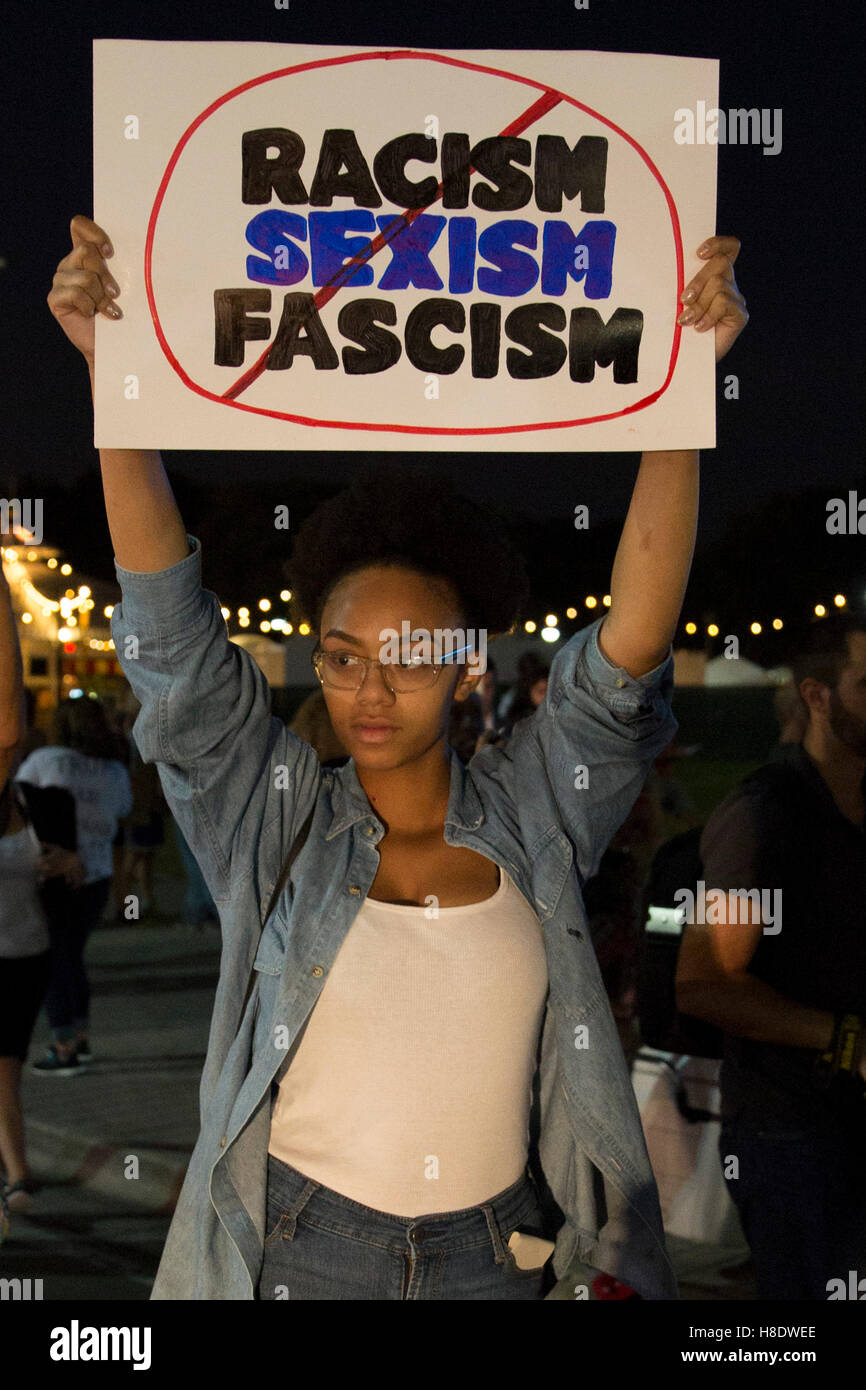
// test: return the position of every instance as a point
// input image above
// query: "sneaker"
(52, 1063)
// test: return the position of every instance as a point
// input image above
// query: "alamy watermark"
(738, 126)
(722, 906)
(21, 514)
(444, 646)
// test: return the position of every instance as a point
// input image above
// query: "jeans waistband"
(504, 1210)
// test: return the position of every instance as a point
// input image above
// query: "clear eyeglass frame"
(362, 663)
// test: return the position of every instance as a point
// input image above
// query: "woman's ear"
(469, 678)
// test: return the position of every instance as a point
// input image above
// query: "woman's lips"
(374, 733)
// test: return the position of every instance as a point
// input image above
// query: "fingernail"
(687, 295)
(113, 312)
(112, 289)
(106, 249)
(687, 316)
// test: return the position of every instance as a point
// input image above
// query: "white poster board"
(345, 248)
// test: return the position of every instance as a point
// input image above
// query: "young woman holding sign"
(413, 1080)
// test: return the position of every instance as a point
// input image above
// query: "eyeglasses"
(347, 671)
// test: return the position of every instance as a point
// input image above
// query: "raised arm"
(146, 527)
(205, 704)
(654, 556)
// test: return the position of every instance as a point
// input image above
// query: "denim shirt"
(240, 785)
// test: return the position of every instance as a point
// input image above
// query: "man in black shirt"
(784, 975)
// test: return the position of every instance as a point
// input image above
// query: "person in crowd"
(405, 947)
(783, 973)
(35, 737)
(673, 799)
(26, 862)
(791, 712)
(466, 730)
(530, 668)
(80, 758)
(313, 724)
(529, 691)
(143, 833)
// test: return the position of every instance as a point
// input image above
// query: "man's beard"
(849, 728)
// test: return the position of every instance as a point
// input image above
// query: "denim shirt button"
(620, 682)
(354, 890)
(369, 830)
(318, 970)
(223, 1142)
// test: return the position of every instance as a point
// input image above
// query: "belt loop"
(495, 1235)
(292, 1210)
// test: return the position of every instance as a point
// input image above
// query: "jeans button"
(419, 1234)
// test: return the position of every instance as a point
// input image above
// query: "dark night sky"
(797, 424)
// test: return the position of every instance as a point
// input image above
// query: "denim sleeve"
(598, 731)
(230, 769)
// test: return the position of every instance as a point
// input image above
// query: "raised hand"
(83, 285)
(712, 299)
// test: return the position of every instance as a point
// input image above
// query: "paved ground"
(111, 1146)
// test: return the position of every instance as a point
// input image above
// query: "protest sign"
(332, 248)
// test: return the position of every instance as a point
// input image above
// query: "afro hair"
(390, 516)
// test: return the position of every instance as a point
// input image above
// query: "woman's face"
(378, 728)
(538, 691)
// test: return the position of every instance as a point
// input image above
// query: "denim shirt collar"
(351, 803)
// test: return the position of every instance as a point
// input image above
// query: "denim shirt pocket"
(551, 859)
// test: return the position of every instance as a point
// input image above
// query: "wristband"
(844, 1052)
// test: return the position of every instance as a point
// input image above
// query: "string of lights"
(33, 604)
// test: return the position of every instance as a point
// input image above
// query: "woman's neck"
(414, 797)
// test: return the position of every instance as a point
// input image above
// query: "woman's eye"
(340, 658)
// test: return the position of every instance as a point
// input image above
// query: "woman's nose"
(374, 686)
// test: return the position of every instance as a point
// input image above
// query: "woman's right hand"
(83, 285)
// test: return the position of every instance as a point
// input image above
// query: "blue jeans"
(320, 1245)
(72, 916)
(801, 1197)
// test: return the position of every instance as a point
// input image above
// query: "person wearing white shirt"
(81, 759)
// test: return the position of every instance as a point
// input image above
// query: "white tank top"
(411, 1087)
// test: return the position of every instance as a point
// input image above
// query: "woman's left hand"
(711, 299)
